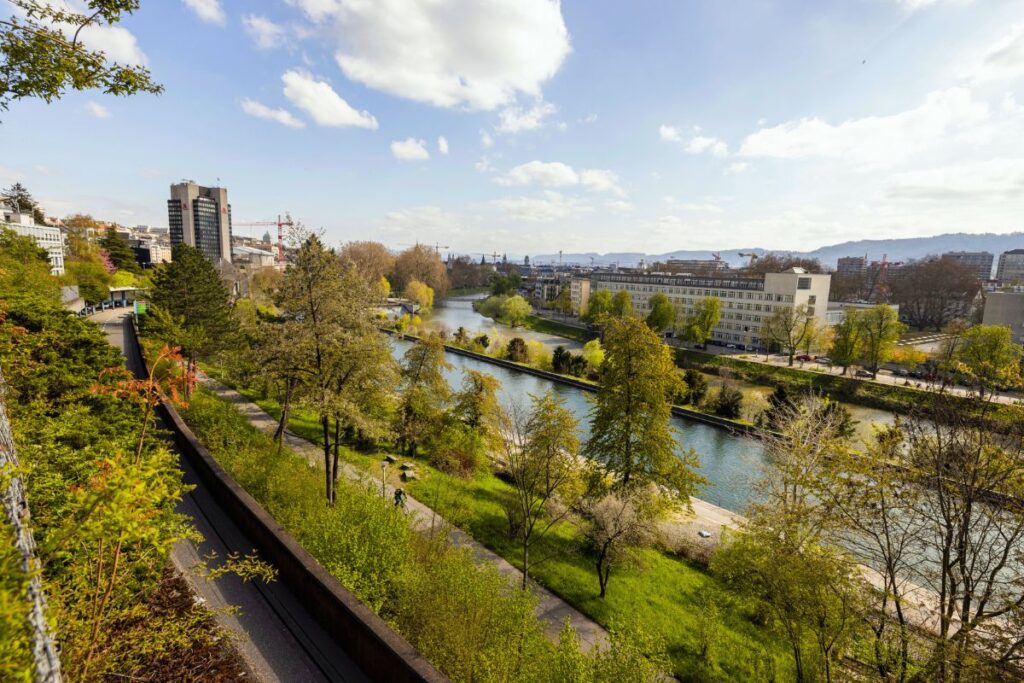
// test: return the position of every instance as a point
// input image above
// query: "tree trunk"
(329, 478)
(526, 561)
(286, 409)
(334, 465)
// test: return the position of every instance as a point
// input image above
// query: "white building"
(747, 303)
(47, 237)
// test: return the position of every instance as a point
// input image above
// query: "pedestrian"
(400, 498)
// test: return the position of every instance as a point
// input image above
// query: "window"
(812, 299)
(803, 283)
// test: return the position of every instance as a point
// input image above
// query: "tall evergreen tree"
(120, 252)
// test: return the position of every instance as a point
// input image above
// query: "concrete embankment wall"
(381, 653)
(679, 411)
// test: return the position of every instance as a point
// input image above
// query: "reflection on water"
(458, 312)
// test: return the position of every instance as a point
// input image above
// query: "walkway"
(271, 630)
(552, 610)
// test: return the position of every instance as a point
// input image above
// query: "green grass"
(664, 593)
(538, 324)
(466, 291)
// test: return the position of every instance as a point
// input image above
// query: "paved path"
(552, 610)
(273, 633)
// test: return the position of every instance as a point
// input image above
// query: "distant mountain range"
(894, 249)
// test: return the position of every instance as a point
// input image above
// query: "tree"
(599, 306)
(43, 58)
(728, 403)
(622, 304)
(847, 342)
(119, 251)
(515, 310)
(933, 291)
(503, 285)
(420, 293)
(22, 248)
(662, 313)
(476, 405)
(372, 260)
(516, 351)
(540, 450)
(92, 279)
(788, 327)
(989, 358)
(420, 263)
(593, 352)
(631, 432)
(706, 314)
(880, 330)
(696, 387)
(614, 525)
(424, 392)
(18, 198)
(565, 300)
(190, 290)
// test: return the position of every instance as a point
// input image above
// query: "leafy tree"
(119, 251)
(421, 294)
(789, 327)
(989, 358)
(540, 450)
(190, 290)
(881, 329)
(420, 263)
(696, 387)
(615, 526)
(706, 314)
(24, 267)
(565, 300)
(18, 197)
(847, 340)
(728, 402)
(43, 58)
(560, 360)
(593, 352)
(92, 279)
(424, 392)
(934, 291)
(622, 304)
(599, 306)
(515, 310)
(372, 260)
(517, 351)
(476, 405)
(631, 431)
(503, 285)
(22, 248)
(662, 313)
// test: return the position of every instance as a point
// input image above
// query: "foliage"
(789, 327)
(119, 251)
(615, 526)
(847, 340)
(989, 358)
(696, 388)
(631, 432)
(934, 291)
(24, 267)
(662, 313)
(594, 353)
(706, 314)
(515, 310)
(566, 363)
(728, 402)
(424, 392)
(622, 304)
(43, 58)
(421, 263)
(880, 330)
(372, 260)
(92, 279)
(516, 351)
(504, 285)
(421, 294)
(598, 306)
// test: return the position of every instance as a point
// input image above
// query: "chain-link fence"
(44, 651)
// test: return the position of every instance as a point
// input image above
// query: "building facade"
(979, 262)
(747, 303)
(1006, 308)
(201, 217)
(852, 266)
(579, 294)
(47, 237)
(1011, 267)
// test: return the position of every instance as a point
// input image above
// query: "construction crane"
(753, 258)
(280, 234)
(879, 283)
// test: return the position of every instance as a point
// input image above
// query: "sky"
(533, 126)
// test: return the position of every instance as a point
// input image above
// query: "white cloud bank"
(326, 107)
(209, 11)
(459, 53)
(262, 111)
(557, 174)
(264, 33)
(410, 149)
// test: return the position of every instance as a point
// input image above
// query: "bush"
(457, 449)
(696, 387)
(517, 351)
(728, 402)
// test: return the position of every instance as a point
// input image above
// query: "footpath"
(552, 610)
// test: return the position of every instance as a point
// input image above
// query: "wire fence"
(44, 652)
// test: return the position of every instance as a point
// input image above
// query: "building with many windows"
(852, 266)
(1006, 308)
(579, 294)
(1011, 267)
(48, 237)
(201, 217)
(980, 262)
(747, 302)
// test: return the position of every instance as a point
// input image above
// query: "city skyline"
(556, 127)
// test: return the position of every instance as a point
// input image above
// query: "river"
(451, 314)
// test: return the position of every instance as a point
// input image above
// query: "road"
(275, 635)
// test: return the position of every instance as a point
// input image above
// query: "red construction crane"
(280, 234)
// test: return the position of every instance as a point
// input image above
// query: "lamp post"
(383, 478)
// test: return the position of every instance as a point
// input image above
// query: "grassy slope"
(665, 593)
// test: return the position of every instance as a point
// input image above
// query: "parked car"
(901, 372)
(701, 347)
(802, 357)
(730, 346)
(824, 360)
(864, 373)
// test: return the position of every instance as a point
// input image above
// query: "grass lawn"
(538, 324)
(666, 594)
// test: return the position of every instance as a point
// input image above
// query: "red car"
(802, 357)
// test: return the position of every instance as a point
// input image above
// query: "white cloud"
(442, 145)
(548, 207)
(118, 43)
(548, 174)
(265, 33)
(319, 100)
(515, 119)
(669, 133)
(483, 165)
(410, 149)
(589, 118)
(997, 180)
(700, 144)
(485, 139)
(209, 11)
(458, 53)
(1002, 60)
(262, 111)
(97, 110)
(601, 180)
(872, 140)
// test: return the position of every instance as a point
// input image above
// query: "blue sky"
(585, 125)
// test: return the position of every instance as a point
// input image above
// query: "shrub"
(517, 351)
(457, 449)
(728, 402)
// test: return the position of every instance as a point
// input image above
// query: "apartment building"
(1006, 308)
(48, 237)
(1011, 267)
(979, 262)
(852, 266)
(201, 217)
(579, 294)
(747, 302)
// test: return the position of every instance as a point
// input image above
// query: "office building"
(1006, 308)
(579, 294)
(693, 266)
(1011, 267)
(201, 217)
(48, 237)
(747, 302)
(979, 262)
(852, 266)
